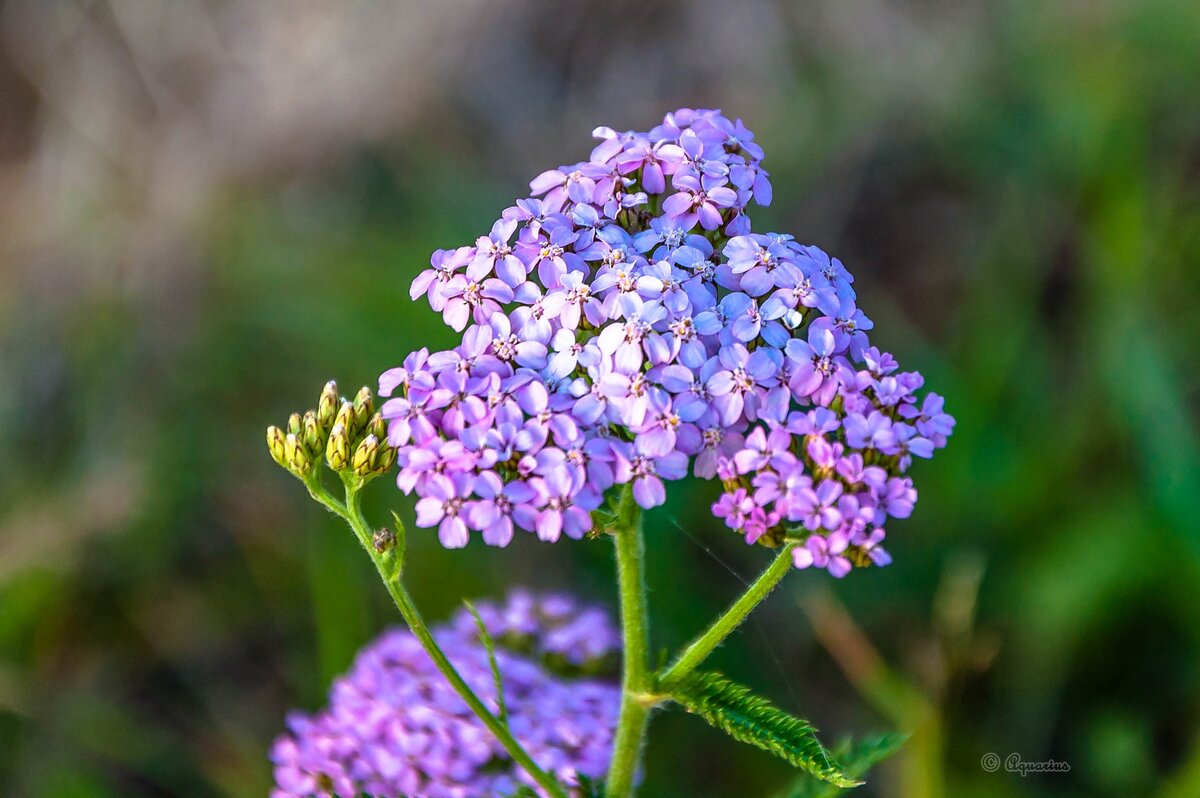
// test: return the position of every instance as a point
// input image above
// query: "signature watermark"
(991, 763)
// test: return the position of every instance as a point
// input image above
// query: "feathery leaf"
(752, 719)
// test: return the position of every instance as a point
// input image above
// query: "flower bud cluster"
(394, 727)
(624, 323)
(348, 434)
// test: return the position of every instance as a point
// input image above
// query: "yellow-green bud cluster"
(348, 434)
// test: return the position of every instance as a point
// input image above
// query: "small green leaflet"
(401, 545)
(490, 645)
(749, 718)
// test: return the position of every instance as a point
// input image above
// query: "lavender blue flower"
(394, 727)
(624, 323)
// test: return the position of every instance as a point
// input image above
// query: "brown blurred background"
(207, 209)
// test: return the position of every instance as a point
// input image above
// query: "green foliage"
(856, 757)
(399, 543)
(752, 719)
(589, 788)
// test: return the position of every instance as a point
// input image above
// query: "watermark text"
(1013, 763)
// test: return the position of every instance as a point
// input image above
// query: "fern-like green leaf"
(856, 757)
(490, 645)
(752, 719)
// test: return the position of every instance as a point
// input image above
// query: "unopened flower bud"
(385, 460)
(313, 439)
(295, 424)
(345, 417)
(364, 455)
(337, 452)
(364, 406)
(377, 427)
(297, 456)
(327, 406)
(277, 445)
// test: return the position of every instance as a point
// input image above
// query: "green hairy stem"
(636, 675)
(641, 689)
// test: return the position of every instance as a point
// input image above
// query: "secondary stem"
(389, 572)
(635, 712)
(732, 618)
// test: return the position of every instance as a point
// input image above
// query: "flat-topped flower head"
(624, 325)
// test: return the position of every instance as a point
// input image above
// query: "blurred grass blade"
(490, 644)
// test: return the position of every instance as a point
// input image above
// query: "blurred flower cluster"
(624, 322)
(395, 726)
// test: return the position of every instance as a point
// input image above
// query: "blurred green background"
(207, 209)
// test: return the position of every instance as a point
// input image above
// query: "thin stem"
(322, 497)
(635, 711)
(389, 572)
(702, 646)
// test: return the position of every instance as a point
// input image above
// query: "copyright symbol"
(990, 762)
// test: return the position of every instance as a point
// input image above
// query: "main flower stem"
(389, 572)
(635, 711)
(702, 646)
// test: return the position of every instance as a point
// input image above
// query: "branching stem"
(702, 646)
(641, 689)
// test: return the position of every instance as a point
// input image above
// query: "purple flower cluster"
(394, 727)
(624, 323)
